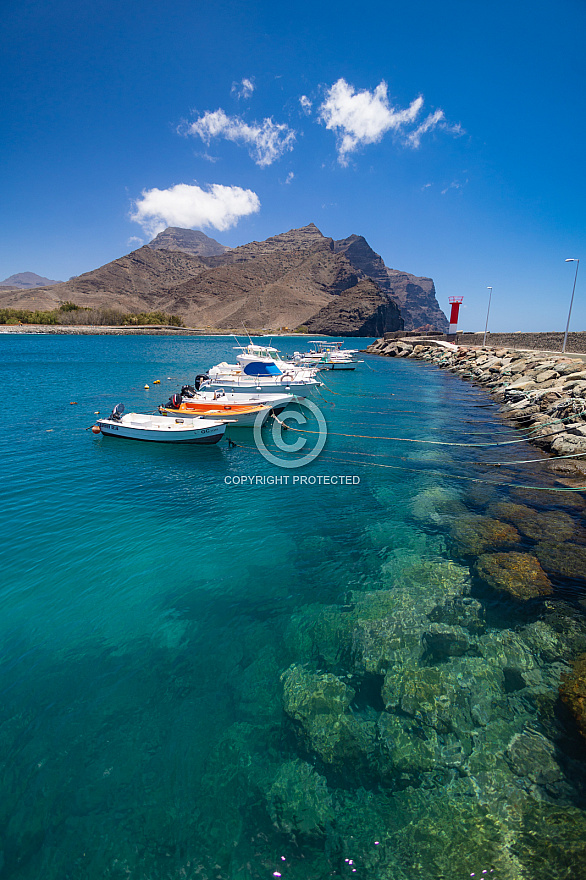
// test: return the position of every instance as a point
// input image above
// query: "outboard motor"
(188, 391)
(175, 401)
(116, 413)
(200, 379)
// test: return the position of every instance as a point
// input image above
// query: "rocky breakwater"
(545, 395)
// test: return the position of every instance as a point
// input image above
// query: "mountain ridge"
(295, 278)
(27, 281)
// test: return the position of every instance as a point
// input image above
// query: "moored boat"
(327, 356)
(252, 397)
(261, 376)
(159, 429)
(237, 414)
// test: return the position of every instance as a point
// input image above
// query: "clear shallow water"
(207, 680)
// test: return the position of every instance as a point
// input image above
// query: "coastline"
(89, 330)
(140, 330)
(541, 393)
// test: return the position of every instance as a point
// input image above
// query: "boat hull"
(233, 385)
(237, 415)
(183, 431)
(247, 398)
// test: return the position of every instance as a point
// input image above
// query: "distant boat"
(159, 429)
(327, 356)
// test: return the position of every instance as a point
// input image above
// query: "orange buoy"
(146, 387)
(73, 403)
(96, 429)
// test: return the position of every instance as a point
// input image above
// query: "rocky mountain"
(362, 310)
(26, 281)
(415, 296)
(297, 278)
(136, 282)
(190, 241)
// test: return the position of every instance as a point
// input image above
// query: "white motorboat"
(267, 354)
(260, 376)
(159, 429)
(327, 356)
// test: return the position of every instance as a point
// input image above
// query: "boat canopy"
(260, 368)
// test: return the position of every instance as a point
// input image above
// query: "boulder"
(573, 692)
(299, 801)
(565, 559)
(473, 535)
(518, 574)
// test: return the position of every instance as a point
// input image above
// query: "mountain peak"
(190, 241)
(27, 280)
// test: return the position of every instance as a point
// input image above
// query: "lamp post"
(577, 262)
(487, 314)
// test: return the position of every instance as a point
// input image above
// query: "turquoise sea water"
(208, 680)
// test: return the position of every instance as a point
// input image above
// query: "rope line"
(407, 439)
(451, 476)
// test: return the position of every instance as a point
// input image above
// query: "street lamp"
(577, 262)
(487, 314)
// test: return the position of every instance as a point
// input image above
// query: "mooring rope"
(448, 476)
(408, 439)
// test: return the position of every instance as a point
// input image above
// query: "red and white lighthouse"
(455, 301)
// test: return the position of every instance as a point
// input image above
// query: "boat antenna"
(248, 334)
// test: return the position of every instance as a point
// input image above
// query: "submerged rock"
(573, 692)
(473, 535)
(405, 746)
(567, 560)
(299, 801)
(531, 755)
(479, 495)
(320, 702)
(436, 506)
(518, 574)
(510, 511)
(443, 641)
(461, 611)
(427, 694)
(547, 524)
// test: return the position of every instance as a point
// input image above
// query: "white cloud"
(455, 184)
(191, 206)
(362, 117)
(266, 141)
(242, 89)
(359, 118)
(134, 239)
(306, 104)
(290, 177)
(414, 137)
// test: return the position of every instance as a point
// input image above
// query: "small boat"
(240, 414)
(159, 429)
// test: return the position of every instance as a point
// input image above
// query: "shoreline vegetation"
(71, 315)
(70, 318)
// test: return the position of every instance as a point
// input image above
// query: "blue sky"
(452, 136)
